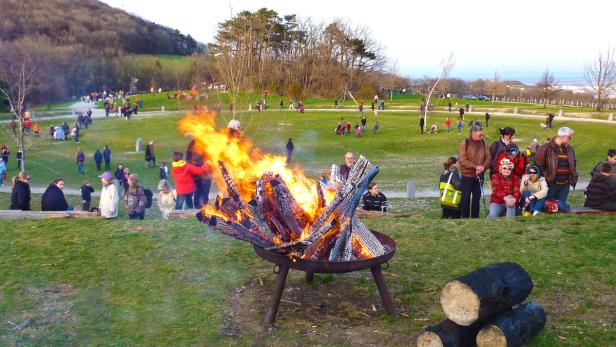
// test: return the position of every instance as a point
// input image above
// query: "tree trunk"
(449, 334)
(485, 292)
(513, 328)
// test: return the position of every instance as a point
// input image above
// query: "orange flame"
(245, 162)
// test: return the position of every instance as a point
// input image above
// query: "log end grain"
(429, 339)
(460, 303)
(491, 336)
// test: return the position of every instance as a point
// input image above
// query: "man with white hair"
(557, 161)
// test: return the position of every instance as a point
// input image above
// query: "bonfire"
(278, 208)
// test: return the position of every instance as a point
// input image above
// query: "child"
(164, 171)
(460, 126)
(166, 198)
(376, 127)
(86, 195)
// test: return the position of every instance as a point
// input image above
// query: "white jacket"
(539, 188)
(108, 204)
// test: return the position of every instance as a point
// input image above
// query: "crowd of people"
(529, 182)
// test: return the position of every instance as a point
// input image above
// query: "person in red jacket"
(184, 175)
(505, 191)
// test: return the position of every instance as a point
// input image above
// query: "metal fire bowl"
(317, 266)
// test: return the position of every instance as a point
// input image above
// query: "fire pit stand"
(310, 267)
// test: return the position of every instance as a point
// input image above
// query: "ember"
(277, 208)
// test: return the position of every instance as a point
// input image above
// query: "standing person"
(80, 158)
(422, 124)
(203, 182)
(448, 125)
(611, 160)
(166, 198)
(376, 127)
(336, 104)
(550, 120)
(474, 159)
(13, 126)
(184, 175)
(98, 159)
(109, 199)
(134, 199)
(2, 172)
(372, 105)
(150, 156)
(65, 129)
(4, 153)
(461, 111)
(163, 171)
(53, 197)
(281, 105)
(52, 130)
(449, 105)
(20, 195)
(534, 190)
(505, 191)
(119, 176)
(348, 127)
(373, 199)
(451, 175)
(460, 126)
(383, 105)
(487, 119)
(557, 161)
(361, 107)
(107, 157)
(36, 128)
(20, 157)
(363, 123)
(601, 191)
(506, 148)
(86, 195)
(289, 147)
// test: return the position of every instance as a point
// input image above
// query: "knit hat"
(505, 162)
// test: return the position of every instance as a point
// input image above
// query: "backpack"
(148, 198)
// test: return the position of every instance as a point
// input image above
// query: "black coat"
(20, 197)
(601, 193)
(53, 199)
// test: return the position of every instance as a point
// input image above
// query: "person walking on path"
(20, 195)
(80, 158)
(449, 105)
(53, 197)
(86, 195)
(2, 172)
(184, 175)
(166, 198)
(107, 157)
(557, 161)
(461, 111)
(98, 159)
(448, 125)
(134, 199)
(109, 199)
(289, 147)
(422, 124)
(474, 159)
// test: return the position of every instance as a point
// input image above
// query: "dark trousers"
(471, 195)
(203, 191)
(449, 213)
(139, 216)
(98, 166)
(85, 205)
(188, 198)
(107, 164)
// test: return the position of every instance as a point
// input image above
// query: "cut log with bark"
(16, 214)
(449, 334)
(513, 328)
(485, 292)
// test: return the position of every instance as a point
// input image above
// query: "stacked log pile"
(274, 220)
(485, 307)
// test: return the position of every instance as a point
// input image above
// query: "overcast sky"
(521, 36)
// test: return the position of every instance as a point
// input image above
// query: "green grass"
(398, 148)
(174, 282)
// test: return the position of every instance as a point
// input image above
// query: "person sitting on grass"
(373, 199)
(20, 195)
(433, 129)
(134, 199)
(53, 197)
(611, 159)
(601, 191)
(534, 190)
(505, 191)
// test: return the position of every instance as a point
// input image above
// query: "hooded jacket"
(20, 196)
(53, 199)
(184, 175)
(601, 193)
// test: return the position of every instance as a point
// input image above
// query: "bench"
(591, 211)
(16, 214)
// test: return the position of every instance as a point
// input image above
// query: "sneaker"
(526, 214)
(537, 213)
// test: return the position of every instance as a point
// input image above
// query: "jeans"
(188, 198)
(85, 205)
(560, 193)
(1, 178)
(471, 194)
(202, 193)
(289, 157)
(497, 210)
(139, 216)
(80, 168)
(536, 205)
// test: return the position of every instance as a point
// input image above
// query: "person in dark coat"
(107, 157)
(373, 199)
(20, 196)
(601, 191)
(451, 174)
(487, 119)
(53, 198)
(98, 159)
(422, 124)
(289, 147)
(203, 182)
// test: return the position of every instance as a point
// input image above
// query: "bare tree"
(495, 86)
(19, 75)
(547, 86)
(430, 86)
(601, 76)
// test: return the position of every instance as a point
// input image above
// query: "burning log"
(237, 231)
(485, 292)
(291, 213)
(367, 238)
(449, 334)
(232, 190)
(513, 328)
